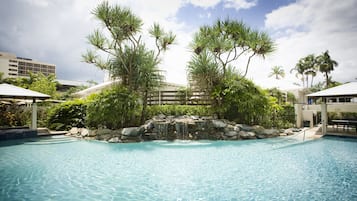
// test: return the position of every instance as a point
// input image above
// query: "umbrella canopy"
(11, 91)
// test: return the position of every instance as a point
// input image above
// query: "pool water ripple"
(270, 169)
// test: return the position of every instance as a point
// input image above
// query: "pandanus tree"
(217, 48)
(326, 65)
(127, 58)
(278, 72)
(227, 41)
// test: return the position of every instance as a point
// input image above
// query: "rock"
(128, 139)
(74, 131)
(194, 117)
(218, 124)
(148, 126)
(104, 137)
(132, 131)
(92, 133)
(244, 127)
(267, 133)
(288, 132)
(296, 129)
(231, 133)
(149, 136)
(258, 129)
(114, 140)
(103, 131)
(159, 117)
(84, 132)
(247, 135)
(271, 132)
(236, 128)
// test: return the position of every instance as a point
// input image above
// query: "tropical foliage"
(67, 115)
(326, 65)
(310, 65)
(36, 82)
(129, 60)
(216, 49)
(278, 72)
(114, 108)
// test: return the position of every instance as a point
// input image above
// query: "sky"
(55, 31)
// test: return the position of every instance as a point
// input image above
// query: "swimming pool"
(62, 168)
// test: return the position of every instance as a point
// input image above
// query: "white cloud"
(311, 27)
(240, 4)
(40, 3)
(204, 3)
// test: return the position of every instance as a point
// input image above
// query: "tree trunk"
(327, 81)
(145, 104)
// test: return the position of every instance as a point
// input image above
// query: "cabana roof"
(11, 91)
(348, 89)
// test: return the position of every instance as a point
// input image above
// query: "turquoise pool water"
(62, 168)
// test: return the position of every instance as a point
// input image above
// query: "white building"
(12, 66)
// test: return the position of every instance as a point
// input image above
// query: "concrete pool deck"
(315, 133)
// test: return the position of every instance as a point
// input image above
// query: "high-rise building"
(12, 66)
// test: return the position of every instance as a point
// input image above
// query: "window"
(12, 65)
(11, 69)
(12, 74)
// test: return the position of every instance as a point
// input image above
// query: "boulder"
(237, 128)
(104, 137)
(114, 140)
(244, 127)
(148, 126)
(92, 133)
(288, 132)
(103, 131)
(132, 131)
(74, 131)
(247, 135)
(258, 129)
(149, 136)
(218, 124)
(84, 132)
(128, 139)
(267, 133)
(296, 129)
(231, 133)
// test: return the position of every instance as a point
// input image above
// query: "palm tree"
(326, 65)
(278, 72)
(304, 68)
(299, 68)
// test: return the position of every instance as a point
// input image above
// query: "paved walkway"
(309, 134)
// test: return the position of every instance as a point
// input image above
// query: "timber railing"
(173, 97)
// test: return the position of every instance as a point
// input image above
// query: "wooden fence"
(174, 97)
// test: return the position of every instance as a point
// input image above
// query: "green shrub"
(113, 108)
(240, 100)
(14, 115)
(179, 110)
(66, 115)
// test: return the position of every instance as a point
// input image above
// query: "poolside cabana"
(8, 91)
(345, 91)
